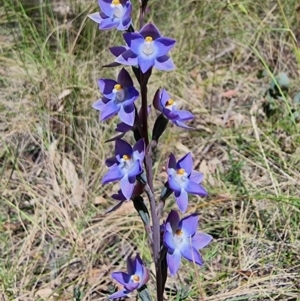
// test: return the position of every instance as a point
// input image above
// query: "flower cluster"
(146, 49)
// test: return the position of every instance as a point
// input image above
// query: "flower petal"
(173, 220)
(127, 114)
(98, 105)
(194, 188)
(118, 50)
(108, 23)
(122, 148)
(183, 115)
(106, 85)
(131, 286)
(139, 265)
(95, 17)
(165, 96)
(191, 254)
(173, 184)
(127, 58)
(115, 207)
(173, 261)
(164, 63)
(150, 30)
(186, 163)
(196, 176)
(135, 169)
(123, 127)
(164, 45)
(105, 7)
(139, 150)
(126, 187)
(131, 95)
(156, 101)
(130, 266)
(201, 240)
(111, 161)
(182, 200)
(109, 110)
(189, 225)
(121, 277)
(119, 294)
(145, 63)
(124, 78)
(169, 241)
(171, 161)
(135, 41)
(181, 124)
(114, 174)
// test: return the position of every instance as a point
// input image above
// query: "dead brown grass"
(55, 239)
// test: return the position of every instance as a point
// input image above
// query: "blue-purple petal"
(111, 161)
(123, 127)
(118, 50)
(108, 24)
(182, 200)
(186, 162)
(95, 17)
(105, 7)
(134, 40)
(181, 124)
(145, 63)
(164, 63)
(130, 266)
(131, 286)
(173, 262)
(173, 220)
(126, 187)
(189, 225)
(127, 114)
(121, 277)
(171, 162)
(169, 241)
(122, 148)
(157, 101)
(135, 170)
(150, 30)
(191, 254)
(98, 105)
(173, 184)
(127, 58)
(164, 45)
(113, 174)
(139, 150)
(119, 294)
(195, 188)
(124, 78)
(196, 176)
(106, 86)
(201, 240)
(138, 263)
(109, 110)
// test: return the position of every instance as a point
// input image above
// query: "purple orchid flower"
(166, 105)
(126, 165)
(118, 98)
(113, 14)
(183, 180)
(146, 48)
(181, 239)
(137, 275)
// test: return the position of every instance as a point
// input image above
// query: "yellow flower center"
(115, 2)
(170, 102)
(136, 278)
(118, 87)
(180, 171)
(126, 157)
(179, 232)
(148, 39)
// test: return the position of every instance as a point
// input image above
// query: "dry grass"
(55, 241)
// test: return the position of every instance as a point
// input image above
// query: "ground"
(56, 243)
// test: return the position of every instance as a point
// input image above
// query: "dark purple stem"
(150, 190)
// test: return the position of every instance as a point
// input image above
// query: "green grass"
(55, 241)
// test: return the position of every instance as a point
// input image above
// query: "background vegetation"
(55, 241)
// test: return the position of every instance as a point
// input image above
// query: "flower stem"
(149, 188)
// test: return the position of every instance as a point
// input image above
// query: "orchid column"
(132, 166)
